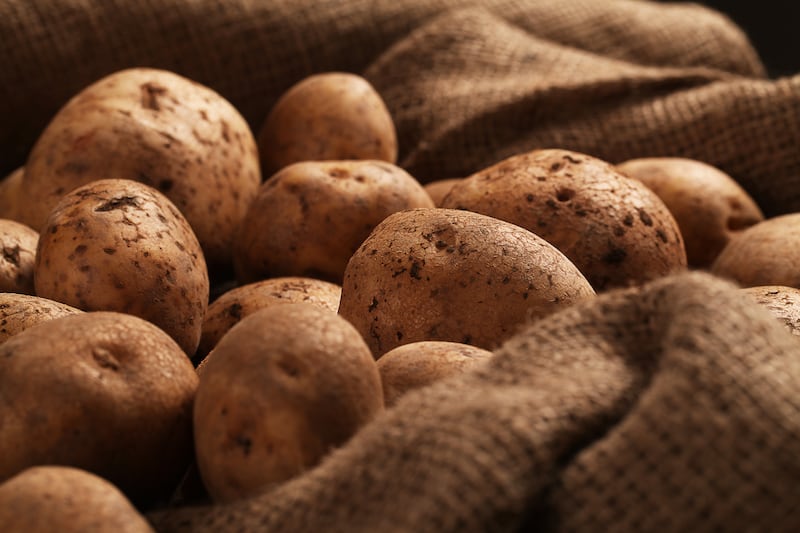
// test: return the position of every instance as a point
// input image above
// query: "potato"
(106, 392)
(19, 312)
(783, 302)
(310, 217)
(438, 189)
(443, 274)
(119, 245)
(18, 246)
(10, 203)
(616, 231)
(328, 116)
(242, 301)
(281, 389)
(419, 364)
(44, 499)
(158, 128)
(708, 205)
(764, 254)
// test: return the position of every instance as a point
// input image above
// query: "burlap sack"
(673, 408)
(466, 87)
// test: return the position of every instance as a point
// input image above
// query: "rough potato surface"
(18, 248)
(19, 312)
(119, 245)
(450, 275)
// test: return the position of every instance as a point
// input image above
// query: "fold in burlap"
(466, 87)
(671, 408)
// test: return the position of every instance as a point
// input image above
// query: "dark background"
(773, 28)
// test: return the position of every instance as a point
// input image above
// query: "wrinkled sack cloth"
(675, 407)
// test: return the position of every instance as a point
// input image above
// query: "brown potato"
(615, 230)
(783, 302)
(764, 254)
(708, 205)
(438, 189)
(240, 302)
(329, 116)
(18, 246)
(19, 312)
(44, 499)
(119, 245)
(419, 364)
(443, 274)
(158, 128)
(310, 217)
(106, 392)
(10, 203)
(281, 389)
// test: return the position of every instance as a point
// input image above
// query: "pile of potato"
(311, 280)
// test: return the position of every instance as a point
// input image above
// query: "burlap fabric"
(468, 81)
(674, 408)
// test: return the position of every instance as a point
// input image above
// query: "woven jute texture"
(468, 81)
(675, 407)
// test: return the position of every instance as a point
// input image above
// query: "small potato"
(240, 302)
(764, 254)
(437, 190)
(106, 392)
(310, 217)
(18, 246)
(10, 202)
(160, 129)
(19, 312)
(449, 275)
(282, 388)
(616, 231)
(44, 499)
(329, 116)
(419, 364)
(119, 245)
(708, 205)
(783, 302)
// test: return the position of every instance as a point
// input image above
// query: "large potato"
(18, 248)
(328, 116)
(44, 499)
(615, 230)
(119, 245)
(764, 254)
(19, 312)
(449, 275)
(235, 304)
(310, 217)
(419, 364)
(282, 388)
(106, 392)
(708, 205)
(158, 128)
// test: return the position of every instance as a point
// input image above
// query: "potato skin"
(10, 203)
(44, 499)
(781, 301)
(616, 231)
(310, 217)
(708, 205)
(438, 189)
(328, 116)
(237, 303)
(18, 247)
(281, 389)
(119, 245)
(106, 392)
(764, 254)
(419, 364)
(450, 275)
(19, 312)
(158, 128)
